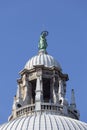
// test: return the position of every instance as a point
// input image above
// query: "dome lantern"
(40, 102)
(42, 86)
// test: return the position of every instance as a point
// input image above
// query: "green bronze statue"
(43, 42)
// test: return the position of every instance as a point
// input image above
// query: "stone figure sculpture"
(43, 42)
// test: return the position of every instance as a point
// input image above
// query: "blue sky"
(21, 23)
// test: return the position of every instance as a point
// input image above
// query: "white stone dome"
(44, 122)
(42, 59)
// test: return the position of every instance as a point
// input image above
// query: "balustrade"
(45, 107)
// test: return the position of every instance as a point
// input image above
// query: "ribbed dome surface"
(42, 59)
(44, 122)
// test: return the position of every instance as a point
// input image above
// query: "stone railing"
(45, 107)
(51, 108)
(29, 109)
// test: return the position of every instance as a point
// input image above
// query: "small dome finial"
(43, 42)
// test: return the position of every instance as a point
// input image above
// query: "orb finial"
(43, 42)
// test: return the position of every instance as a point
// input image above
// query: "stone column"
(27, 91)
(39, 92)
(61, 89)
(53, 90)
(62, 99)
(64, 84)
(18, 95)
(19, 99)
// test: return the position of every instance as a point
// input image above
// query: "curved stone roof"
(42, 59)
(44, 122)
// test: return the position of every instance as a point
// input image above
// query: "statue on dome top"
(43, 42)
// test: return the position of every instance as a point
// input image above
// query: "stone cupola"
(42, 87)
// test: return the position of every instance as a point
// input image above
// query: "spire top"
(43, 41)
(73, 104)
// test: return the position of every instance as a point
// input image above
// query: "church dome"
(42, 59)
(44, 122)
